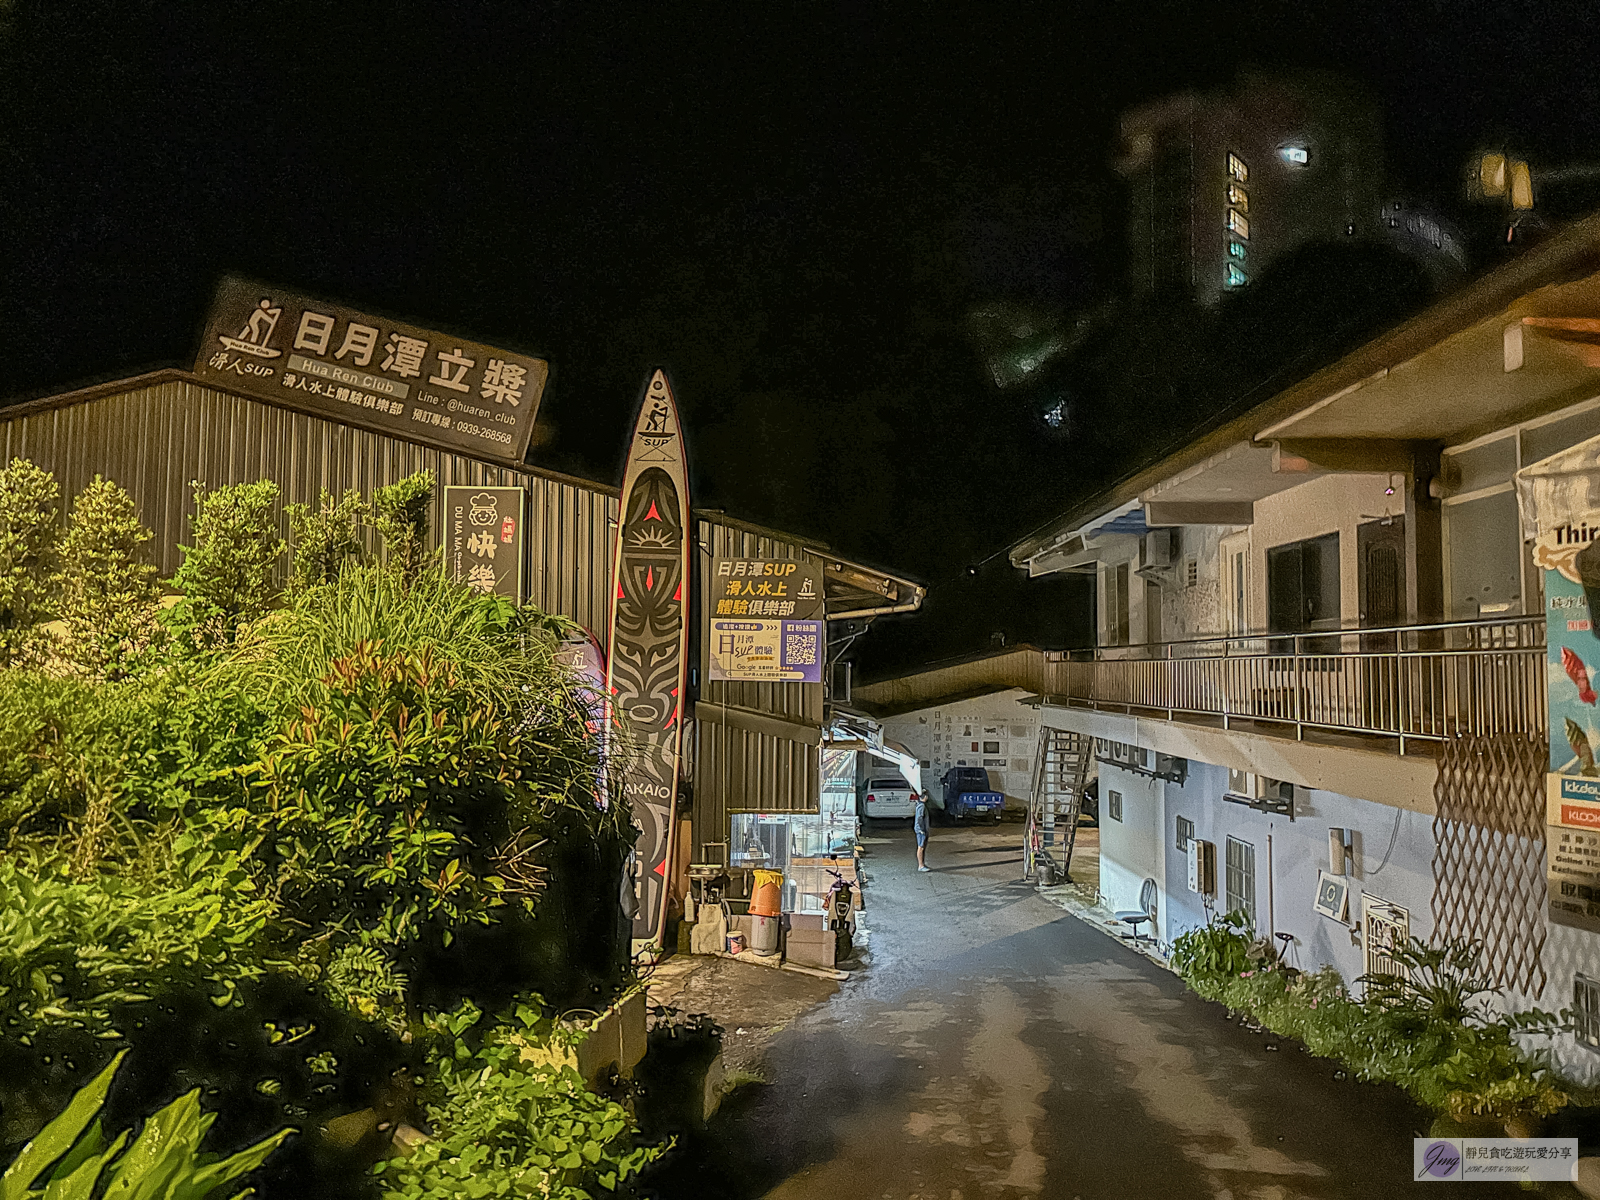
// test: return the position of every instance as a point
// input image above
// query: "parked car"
(885, 796)
(966, 793)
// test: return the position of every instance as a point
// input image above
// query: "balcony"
(1415, 683)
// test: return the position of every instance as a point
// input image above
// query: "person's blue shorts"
(922, 838)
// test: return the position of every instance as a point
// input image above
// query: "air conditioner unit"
(1157, 553)
(1202, 867)
(1260, 793)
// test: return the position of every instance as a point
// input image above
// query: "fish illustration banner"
(1569, 555)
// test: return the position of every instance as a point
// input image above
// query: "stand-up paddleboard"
(649, 638)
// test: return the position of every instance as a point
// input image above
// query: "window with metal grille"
(1185, 833)
(1240, 882)
(1191, 573)
(1586, 1010)
(1114, 805)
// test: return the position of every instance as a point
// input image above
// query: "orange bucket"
(767, 899)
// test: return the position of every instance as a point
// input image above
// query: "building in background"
(999, 733)
(1322, 690)
(1221, 185)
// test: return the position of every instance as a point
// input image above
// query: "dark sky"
(788, 206)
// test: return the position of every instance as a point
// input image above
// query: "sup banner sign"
(766, 620)
(348, 366)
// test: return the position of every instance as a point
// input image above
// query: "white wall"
(943, 737)
(1130, 849)
(1323, 505)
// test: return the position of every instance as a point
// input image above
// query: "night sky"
(795, 209)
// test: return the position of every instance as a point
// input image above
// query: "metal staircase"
(1060, 770)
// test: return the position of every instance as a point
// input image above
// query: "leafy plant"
(29, 538)
(508, 1127)
(163, 1163)
(227, 575)
(1220, 947)
(400, 513)
(325, 539)
(109, 594)
(363, 980)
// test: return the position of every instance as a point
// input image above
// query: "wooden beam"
(1374, 456)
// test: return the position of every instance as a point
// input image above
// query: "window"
(1586, 1011)
(1240, 883)
(1238, 250)
(1114, 805)
(1191, 573)
(991, 747)
(1236, 276)
(1238, 197)
(1116, 613)
(1237, 170)
(1238, 223)
(1185, 834)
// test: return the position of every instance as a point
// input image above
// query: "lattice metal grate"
(1489, 853)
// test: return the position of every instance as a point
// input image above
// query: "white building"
(1324, 618)
(998, 732)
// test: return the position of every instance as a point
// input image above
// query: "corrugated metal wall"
(154, 440)
(745, 769)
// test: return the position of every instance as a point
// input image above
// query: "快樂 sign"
(483, 538)
(766, 620)
(383, 375)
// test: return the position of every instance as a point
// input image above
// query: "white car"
(886, 796)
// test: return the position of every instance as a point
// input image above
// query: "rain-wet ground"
(997, 1047)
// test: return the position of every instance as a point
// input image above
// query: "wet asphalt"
(996, 1047)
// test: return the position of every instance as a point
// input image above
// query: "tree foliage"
(400, 513)
(325, 539)
(228, 575)
(109, 592)
(30, 533)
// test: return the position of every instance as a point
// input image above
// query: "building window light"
(1237, 171)
(1238, 223)
(1238, 197)
(1295, 154)
(1236, 276)
(1237, 250)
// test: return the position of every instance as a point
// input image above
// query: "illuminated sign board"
(483, 538)
(766, 620)
(333, 362)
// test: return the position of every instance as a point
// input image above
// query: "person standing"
(919, 824)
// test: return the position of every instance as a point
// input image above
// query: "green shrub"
(1216, 950)
(227, 576)
(163, 1163)
(508, 1127)
(400, 513)
(109, 593)
(325, 540)
(29, 538)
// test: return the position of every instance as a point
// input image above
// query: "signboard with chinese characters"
(334, 362)
(483, 538)
(1569, 555)
(765, 620)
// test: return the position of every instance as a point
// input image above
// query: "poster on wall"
(349, 366)
(1569, 556)
(483, 536)
(765, 620)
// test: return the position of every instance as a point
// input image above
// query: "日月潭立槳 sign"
(383, 375)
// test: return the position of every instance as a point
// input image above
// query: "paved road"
(997, 1048)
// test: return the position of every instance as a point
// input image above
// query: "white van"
(886, 795)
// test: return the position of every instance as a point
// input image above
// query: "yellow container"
(767, 898)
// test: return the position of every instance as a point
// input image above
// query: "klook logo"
(1580, 816)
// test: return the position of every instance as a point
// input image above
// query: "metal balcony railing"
(1422, 682)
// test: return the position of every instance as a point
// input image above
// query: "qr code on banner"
(800, 649)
